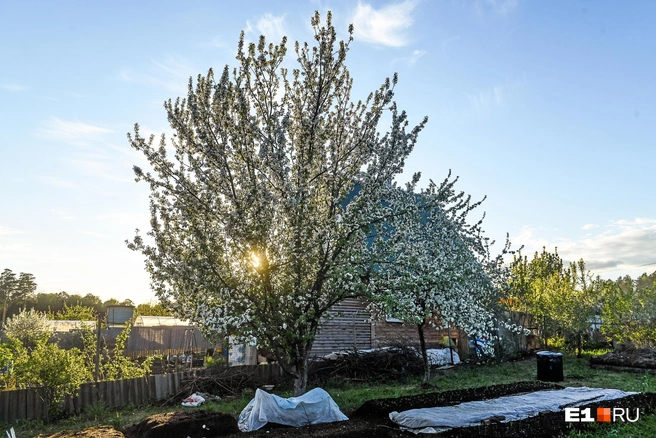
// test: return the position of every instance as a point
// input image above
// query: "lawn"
(350, 396)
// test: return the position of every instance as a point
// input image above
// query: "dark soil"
(184, 424)
(371, 419)
(642, 358)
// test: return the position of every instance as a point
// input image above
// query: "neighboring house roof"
(68, 325)
(156, 321)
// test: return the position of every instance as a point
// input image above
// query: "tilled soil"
(199, 423)
(372, 420)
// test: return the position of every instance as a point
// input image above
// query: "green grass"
(350, 396)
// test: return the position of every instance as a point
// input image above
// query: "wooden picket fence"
(27, 404)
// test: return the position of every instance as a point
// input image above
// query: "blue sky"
(548, 108)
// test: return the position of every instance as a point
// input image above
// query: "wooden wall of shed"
(160, 339)
(350, 326)
(398, 333)
(347, 327)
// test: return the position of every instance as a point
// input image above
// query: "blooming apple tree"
(260, 215)
(435, 268)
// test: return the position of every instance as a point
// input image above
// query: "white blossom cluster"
(431, 266)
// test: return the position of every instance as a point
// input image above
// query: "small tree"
(118, 366)
(12, 353)
(59, 372)
(435, 267)
(532, 287)
(29, 327)
(14, 290)
(260, 217)
(152, 309)
(628, 313)
(76, 313)
(575, 303)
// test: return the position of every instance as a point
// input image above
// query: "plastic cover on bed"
(314, 407)
(513, 407)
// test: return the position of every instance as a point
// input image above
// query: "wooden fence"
(26, 404)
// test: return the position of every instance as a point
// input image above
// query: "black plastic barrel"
(550, 366)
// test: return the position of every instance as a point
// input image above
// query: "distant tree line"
(567, 301)
(18, 292)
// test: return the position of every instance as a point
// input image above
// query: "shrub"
(29, 327)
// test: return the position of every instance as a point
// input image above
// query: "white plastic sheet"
(314, 407)
(442, 356)
(514, 407)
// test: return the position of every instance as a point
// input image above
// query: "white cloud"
(13, 87)
(57, 182)
(619, 248)
(134, 220)
(485, 100)
(501, 7)
(171, 74)
(497, 96)
(385, 26)
(412, 58)
(269, 25)
(589, 226)
(446, 43)
(6, 231)
(102, 167)
(91, 233)
(71, 132)
(61, 214)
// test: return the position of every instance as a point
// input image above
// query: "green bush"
(59, 372)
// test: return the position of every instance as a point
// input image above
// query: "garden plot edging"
(508, 408)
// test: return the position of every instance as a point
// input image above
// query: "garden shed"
(351, 326)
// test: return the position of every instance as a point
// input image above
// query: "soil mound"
(194, 424)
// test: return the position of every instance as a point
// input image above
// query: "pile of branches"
(223, 382)
(375, 366)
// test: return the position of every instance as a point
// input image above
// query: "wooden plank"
(4, 405)
(13, 409)
(141, 391)
(159, 383)
(21, 405)
(37, 405)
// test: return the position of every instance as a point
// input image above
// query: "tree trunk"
(300, 382)
(579, 347)
(300, 370)
(4, 312)
(424, 354)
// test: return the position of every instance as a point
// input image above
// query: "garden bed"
(372, 420)
(635, 360)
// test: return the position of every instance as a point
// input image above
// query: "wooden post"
(96, 374)
(448, 332)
